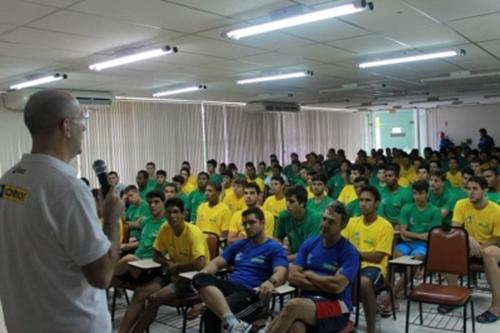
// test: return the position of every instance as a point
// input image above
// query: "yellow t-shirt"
(310, 193)
(234, 204)
(236, 223)
(274, 206)
(409, 174)
(259, 182)
(188, 188)
(225, 192)
(189, 246)
(455, 180)
(377, 237)
(482, 224)
(193, 181)
(403, 182)
(213, 219)
(347, 194)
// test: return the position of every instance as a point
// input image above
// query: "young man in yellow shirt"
(187, 250)
(454, 176)
(234, 195)
(213, 215)
(481, 219)
(236, 228)
(251, 174)
(348, 193)
(276, 202)
(372, 235)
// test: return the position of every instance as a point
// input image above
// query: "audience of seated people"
(323, 248)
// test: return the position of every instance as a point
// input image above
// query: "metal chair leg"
(420, 313)
(465, 318)
(407, 324)
(391, 294)
(473, 316)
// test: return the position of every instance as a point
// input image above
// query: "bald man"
(56, 258)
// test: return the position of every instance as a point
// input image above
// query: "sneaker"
(240, 327)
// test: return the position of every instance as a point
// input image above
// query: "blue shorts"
(413, 248)
(374, 274)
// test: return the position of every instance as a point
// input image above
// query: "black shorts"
(243, 302)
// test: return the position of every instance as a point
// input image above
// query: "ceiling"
(46, 36)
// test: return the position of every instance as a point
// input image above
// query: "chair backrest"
(447, 251)
(213, 244)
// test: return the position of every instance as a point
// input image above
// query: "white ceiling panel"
(475, 59)
(18, 13)
(154, 13)
(481, 28)
(368, 44)
(5, 27)
(445, 10)
(226, 7)
(38, 52)
(96, 26)
(59, 40)
(320, 52)
(388, 14)
(425, 36)
(492, 46)
(53, 3)
(328, 30)
(273, 59)
(212, 47)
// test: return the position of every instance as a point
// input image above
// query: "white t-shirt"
(48, 230)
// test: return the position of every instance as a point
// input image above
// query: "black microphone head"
(99, 167)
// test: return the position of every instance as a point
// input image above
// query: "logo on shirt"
(258, 260)
(238, 257)
(330, 267)
(13, 193)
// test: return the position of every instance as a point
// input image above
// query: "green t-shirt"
(446, 200)
(493, 196)
(134, 212)
(319, 207)
(459, 193)
(288, 170)
(300, 181)
(393, 202)
(354, 209)
(149, 230)
(297, 231)
(196, 198)
(420, 221)
(336, 183)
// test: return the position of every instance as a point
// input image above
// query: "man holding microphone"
(56, 260)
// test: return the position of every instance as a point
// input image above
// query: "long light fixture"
(39, 81)
(276, 77)
(179, 91)
(320, 15)
(421, 57)
(175, 101)
(133, 58)
(323, 108)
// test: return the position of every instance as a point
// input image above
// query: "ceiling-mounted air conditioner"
(16, 100)
(271, 106)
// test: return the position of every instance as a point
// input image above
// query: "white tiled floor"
(168, 319)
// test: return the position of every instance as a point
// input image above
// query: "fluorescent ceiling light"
(39, 81)
(346, 9)
(179, 91)
(133, 58)
(276, 77)
(322, 108)
(420, 57)
(459, 76)
(171, 100)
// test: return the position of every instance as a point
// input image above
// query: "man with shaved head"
(56, 258)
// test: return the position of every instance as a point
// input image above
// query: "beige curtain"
(15, 139)
(128, 135)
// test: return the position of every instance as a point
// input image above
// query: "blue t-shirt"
(343, 256)
(254, 264)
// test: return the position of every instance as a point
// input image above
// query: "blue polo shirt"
(254, 264)
(316, 257)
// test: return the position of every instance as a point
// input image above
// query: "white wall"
(462, 122)
(14, 138)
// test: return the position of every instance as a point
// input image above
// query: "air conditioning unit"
(270, 106)
(16, 100)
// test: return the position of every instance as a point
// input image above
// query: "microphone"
(101, 172)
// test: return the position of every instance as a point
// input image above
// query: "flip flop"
(444, 309)
(385, 312)
(487, 317)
